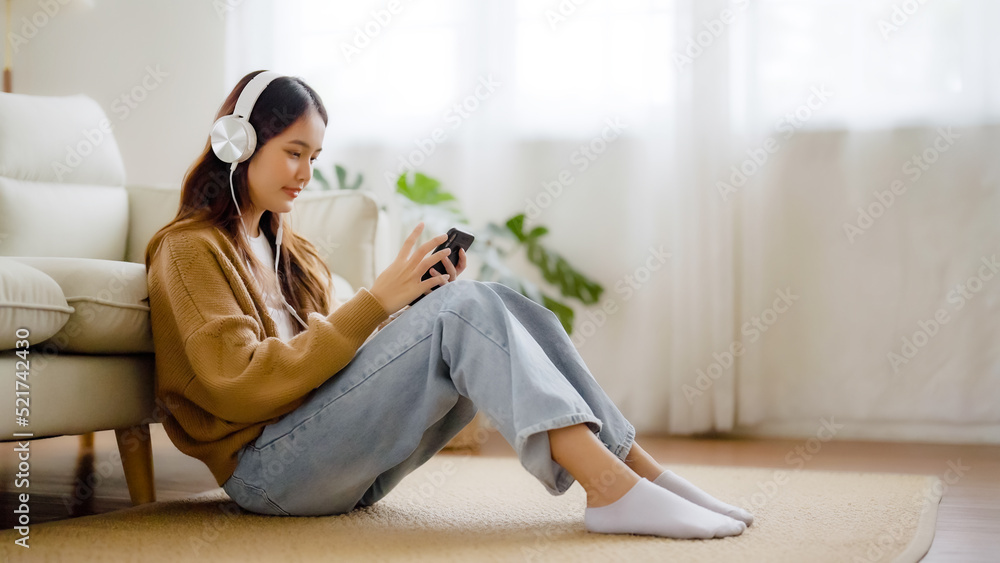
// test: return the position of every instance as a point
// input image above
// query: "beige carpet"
(466, 508)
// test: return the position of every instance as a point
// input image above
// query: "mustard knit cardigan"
(222, 372)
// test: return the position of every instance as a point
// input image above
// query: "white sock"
(683, 488)
(651, 510)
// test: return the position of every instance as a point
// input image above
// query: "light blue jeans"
(467, 346)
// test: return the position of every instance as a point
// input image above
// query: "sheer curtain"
(698, 159)
(879, 212)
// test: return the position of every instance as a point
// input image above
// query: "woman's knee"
(472, 299)
(462, 286)
(474, 290)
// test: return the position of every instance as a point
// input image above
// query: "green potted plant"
(422, 198)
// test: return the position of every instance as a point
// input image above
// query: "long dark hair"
(303, 278)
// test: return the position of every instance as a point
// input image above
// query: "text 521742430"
(22, 417)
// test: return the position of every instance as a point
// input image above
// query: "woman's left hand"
(453, 271)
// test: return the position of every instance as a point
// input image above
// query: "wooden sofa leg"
(136, 449)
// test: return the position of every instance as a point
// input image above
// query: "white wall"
(107, 49)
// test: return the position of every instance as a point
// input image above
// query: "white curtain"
(699, 160)
(880, 215)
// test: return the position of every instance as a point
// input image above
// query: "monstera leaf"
(342, 179)
(423, 190)
(555, 269)
(495, 244)
(321, 179)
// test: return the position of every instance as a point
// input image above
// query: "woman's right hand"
(400, 283)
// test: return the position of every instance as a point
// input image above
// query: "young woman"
(297, 408)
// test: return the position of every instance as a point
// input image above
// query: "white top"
(275, 305)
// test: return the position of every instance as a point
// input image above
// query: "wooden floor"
(66, 484)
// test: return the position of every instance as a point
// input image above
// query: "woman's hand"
(453, 271)
(400, 283)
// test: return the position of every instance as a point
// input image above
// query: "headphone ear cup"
(233, 139)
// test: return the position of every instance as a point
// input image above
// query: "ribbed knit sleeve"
(239, 376)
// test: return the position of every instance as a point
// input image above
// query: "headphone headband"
(248, 97)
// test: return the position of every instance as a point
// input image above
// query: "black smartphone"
(456, 239)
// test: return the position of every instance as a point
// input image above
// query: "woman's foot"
(620, 501)
(652, 510)
(685, 489)
(644, 464)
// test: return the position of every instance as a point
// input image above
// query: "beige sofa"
(75, 340)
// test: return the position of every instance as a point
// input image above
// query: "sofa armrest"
(348, 229)
(385, 250)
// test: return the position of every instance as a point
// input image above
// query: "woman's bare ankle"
(601, 494)
(642, 463)
(604, 476)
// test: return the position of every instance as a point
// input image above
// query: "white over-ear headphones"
(234, 140)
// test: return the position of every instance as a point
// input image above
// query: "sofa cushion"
(342, 288)
(149, 209)
(59, 140)
(110, 316)
(51, 219)
(29, 299)
(62, 179)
